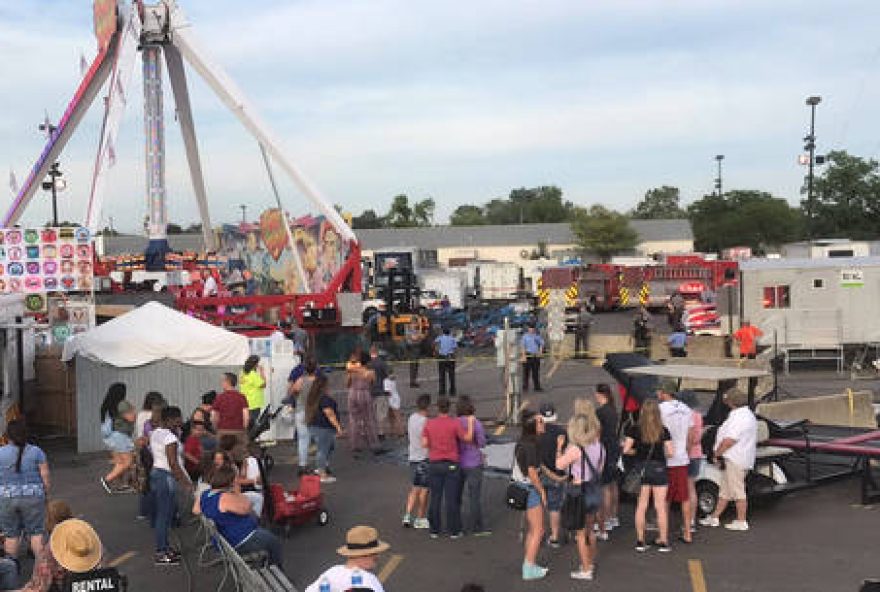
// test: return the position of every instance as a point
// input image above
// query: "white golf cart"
(768, 480)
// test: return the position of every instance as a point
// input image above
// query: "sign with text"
(852, 278)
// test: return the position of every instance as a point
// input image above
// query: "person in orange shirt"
(746, 336)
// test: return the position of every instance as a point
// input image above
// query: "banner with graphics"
(36, 260)
(266, 253)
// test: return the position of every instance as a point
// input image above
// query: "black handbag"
(592, 487)
(582, 498)
(517, 496)
(632, 481)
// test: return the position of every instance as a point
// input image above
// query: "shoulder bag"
(517, 495)
(592, 487)
(632, 481)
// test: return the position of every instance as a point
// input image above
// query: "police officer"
(445, 346)
(642, 330)
(533, 348)
(582, 332)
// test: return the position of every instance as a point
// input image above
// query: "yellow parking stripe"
(393, 563)
(698, 582)
(121, 559)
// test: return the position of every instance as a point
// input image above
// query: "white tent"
(155, 332)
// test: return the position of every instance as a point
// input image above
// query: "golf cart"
(768, 480)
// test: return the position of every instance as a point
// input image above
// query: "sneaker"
(106, 485)
(641, 547)
(609, 525)
(554, 543)
(710, 521)
(740, 525)
(435, 535)
(533, 572)
(615, 522)
(421, 524)
(166, 558)
(662, 547)
(407, 521)
(582, 574)
(328, 479)
(456, 536)
(602, 535)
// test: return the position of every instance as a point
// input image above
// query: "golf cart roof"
(695, 372)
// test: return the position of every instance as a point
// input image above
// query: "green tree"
(467, 215)
(173, 228)
(423, 212)
(743, 218)
(659, 203)
(367, 219)
(847, 199)
(526, 206)
(602, 231)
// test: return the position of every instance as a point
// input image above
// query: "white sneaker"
(602, 535)
(421, 524)
(615, 522)
(609, 525)
(740, 525)
(710, 521)
(582, 575)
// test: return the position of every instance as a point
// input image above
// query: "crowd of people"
(157, 452)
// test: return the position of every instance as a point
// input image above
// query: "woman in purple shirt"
(471, 460)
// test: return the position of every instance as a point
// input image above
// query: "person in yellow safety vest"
(252, 384)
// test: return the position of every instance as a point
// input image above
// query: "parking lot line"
(122, 559)
(698, 582)
(393, 562)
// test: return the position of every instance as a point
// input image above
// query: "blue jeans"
(444, 480)
(472, 480)
(8, 574)
(325, 440)
(262, 540)
(302, 437)
(23, 515)
(163, 488)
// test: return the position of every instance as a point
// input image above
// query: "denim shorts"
(694, 467)
(119, 442)
(554, 495)
(419, 471)
(534, 499)
(24, 515)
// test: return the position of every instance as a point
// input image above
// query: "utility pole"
(810, 147)
(243, 213)
(718, 185)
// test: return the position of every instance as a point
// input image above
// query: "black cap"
(548, 411)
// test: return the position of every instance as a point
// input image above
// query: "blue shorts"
(25, 515)
(534, 499)
(694, 467)
(119, 442)
(554, 495)
(419, 471)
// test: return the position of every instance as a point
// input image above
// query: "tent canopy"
(155, 332)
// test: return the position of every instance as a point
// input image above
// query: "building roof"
(801, 263)
(435, 237)
(133, 243)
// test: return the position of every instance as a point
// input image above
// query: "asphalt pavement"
(817, 540)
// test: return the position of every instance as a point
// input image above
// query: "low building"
(520, 242)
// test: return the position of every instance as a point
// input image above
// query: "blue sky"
(462, 101)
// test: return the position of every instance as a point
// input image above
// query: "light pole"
(718, 186)
(54, 172)
(243, 213)
(810, 147)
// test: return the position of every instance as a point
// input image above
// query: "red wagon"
(298, 506)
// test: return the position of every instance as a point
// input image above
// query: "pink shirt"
(696, 451)
(571, 459)
(443, 434)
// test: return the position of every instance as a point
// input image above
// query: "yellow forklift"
(401, 295)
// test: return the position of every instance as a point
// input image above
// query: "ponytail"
(16, 431)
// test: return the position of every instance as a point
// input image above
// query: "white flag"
(13, 183)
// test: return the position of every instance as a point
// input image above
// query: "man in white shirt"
(361, 551)
(417, 500)
(678, 419)
(735, 445)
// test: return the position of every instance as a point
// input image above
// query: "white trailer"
(813, 303)
(493, 280)
(449, 283)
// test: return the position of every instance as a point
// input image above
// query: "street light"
(55, 183)
(243, 213)
(810, 147)
(718, 186)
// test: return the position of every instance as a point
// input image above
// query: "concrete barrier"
(833, 410)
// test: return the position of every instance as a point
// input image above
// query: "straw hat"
(361, 541)
(76, 546)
